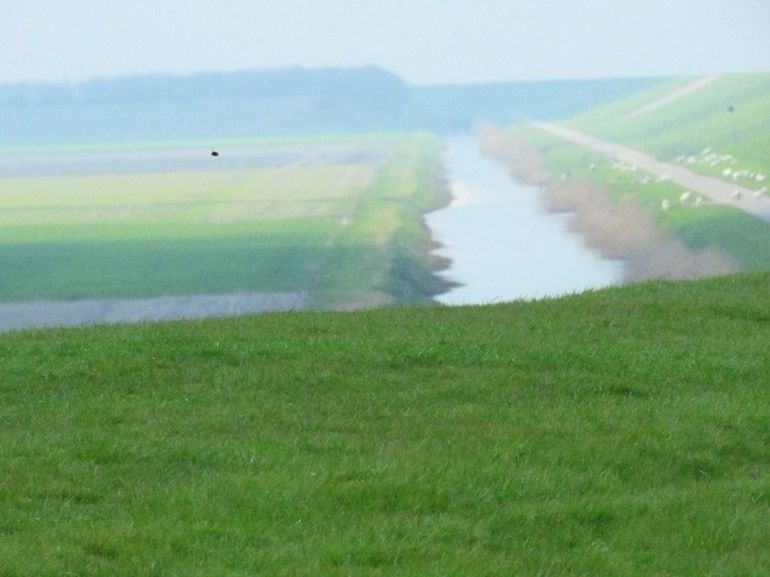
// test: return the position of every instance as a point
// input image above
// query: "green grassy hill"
(697, 130)
(741, 236)
(697, 121)
(621, 432)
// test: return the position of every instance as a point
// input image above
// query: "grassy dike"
(621, 432)
(739, 235)
(728, 116)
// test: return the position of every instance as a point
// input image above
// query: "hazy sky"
(425, 41)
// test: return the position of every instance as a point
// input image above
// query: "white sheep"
(685, 197)
(665, 205)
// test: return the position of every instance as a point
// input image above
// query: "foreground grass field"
(623, 432)
(285, 228)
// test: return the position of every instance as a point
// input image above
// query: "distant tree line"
(284, 101)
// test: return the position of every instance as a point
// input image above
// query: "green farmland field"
(192, 198)
(283, 228)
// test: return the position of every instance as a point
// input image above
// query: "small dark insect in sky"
(731, 108)
(214, 153)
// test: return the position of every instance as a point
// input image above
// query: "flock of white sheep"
(706, 157)
(713, 159)
(686, 198)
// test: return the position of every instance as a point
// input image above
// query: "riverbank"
(616, 221)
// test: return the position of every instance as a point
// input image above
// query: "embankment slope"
(715, 138)
(616, 433)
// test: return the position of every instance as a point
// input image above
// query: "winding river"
(502, 243)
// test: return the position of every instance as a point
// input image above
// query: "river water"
(502, 243)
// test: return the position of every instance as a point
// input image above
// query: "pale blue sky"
(425, 41)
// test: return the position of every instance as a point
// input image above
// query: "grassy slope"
(623, 432)
(694, 122)
(745, 238)
(683, 127)
(212, 232)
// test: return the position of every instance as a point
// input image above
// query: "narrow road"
(713, 188)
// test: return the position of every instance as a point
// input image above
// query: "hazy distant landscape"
(252, 105)
(108, 189)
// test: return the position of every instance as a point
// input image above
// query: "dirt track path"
(676, 95)
(713, 188)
